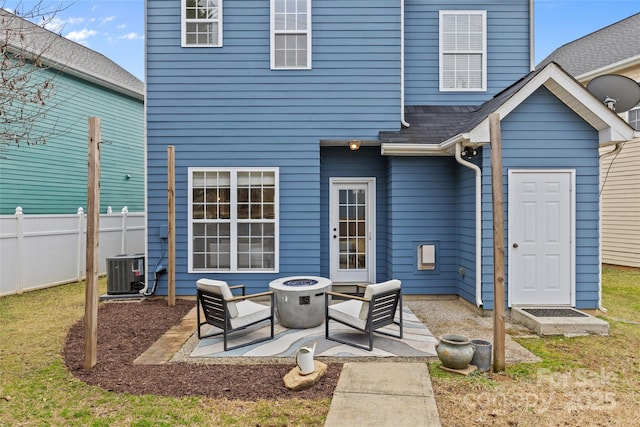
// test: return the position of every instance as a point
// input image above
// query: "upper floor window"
(233, 220)
(634, 118)
(463, 50)
(290, 34)
(201, 23)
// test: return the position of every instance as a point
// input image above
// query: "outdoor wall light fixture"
(354, 145)
(127, 177)
(469, 152)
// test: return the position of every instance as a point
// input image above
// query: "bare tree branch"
(25, 90)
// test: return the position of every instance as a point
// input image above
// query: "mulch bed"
(126, 330)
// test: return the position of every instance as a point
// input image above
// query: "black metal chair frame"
(382, 311)
(216, 313)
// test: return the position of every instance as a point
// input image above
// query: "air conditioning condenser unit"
(125, 274)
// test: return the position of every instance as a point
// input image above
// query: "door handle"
(515, 246)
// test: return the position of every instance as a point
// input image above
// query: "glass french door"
(352, 240)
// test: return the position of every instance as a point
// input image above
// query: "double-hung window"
(290, 34)
(463, 50)
(233, 220)
(201, 23)
(634, 117)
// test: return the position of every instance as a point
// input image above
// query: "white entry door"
(351, 230)
(541, 229)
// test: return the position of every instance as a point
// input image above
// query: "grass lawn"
(37, 390)
(581, 381)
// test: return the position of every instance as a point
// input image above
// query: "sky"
(115, 28)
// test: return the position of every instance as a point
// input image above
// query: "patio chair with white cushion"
(231, 313)
(376, 309)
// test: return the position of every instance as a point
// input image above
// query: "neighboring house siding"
(421, 198)
(620, 199)
(613, 49)
(633, 73)
(52, 178)
(364, 163)
(508, 50)
(543, 133)
(620, 183)
(222, 107)
(620, 204)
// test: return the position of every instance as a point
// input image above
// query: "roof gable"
(610, 126)
(475, 129)
(67, 56)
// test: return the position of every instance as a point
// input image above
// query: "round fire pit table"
(300, 300)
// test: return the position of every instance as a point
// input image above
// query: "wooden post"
(498, 243)
(93, 237)
(171, 190)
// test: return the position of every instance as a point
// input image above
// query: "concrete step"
(551, 320)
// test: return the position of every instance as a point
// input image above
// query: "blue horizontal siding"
(225, 107)
(339, 162)
(507, 49)
(424, 214)
(574, 147)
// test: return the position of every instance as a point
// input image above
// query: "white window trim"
(183, 26)
(234, 221)
(628, 114)
(272, 32)
(484, 50)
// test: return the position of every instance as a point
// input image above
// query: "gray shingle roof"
(430, 124)
(436, 124)
(599, 49)
(67, 56)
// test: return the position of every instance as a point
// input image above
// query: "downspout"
(478, 172)
(615, 151)
(403, 122)
(532, 35)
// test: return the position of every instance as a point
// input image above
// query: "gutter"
(93, 79)
(478, 179)
(416, 149)
(610, 69)
(83, 75)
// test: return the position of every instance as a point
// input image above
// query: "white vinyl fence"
(38, 251)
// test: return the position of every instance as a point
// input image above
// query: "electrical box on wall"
(426, 257)
(163, 231)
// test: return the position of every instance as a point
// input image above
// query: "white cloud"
(81, 36)
(132, 36)
(107, 19)
(57, 24)
(121, 26)
(72, 20)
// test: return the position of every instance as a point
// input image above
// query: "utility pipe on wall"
(532, 52)
(478, 178)
(402, 120)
